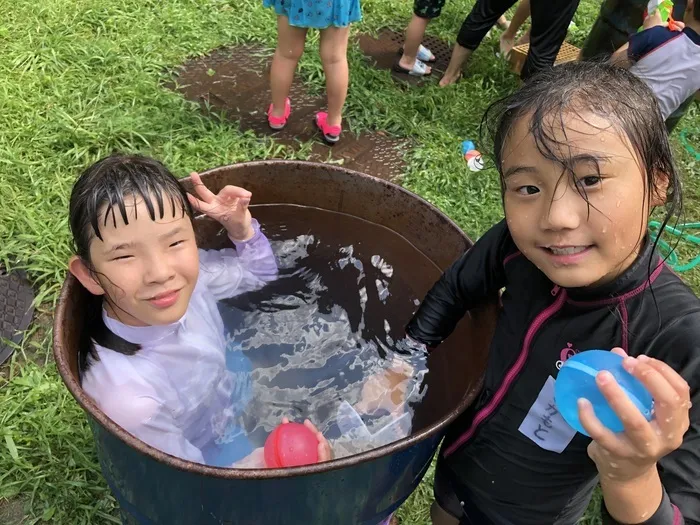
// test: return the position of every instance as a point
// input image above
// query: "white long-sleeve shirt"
(176, 393)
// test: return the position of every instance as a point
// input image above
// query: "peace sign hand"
(229, 207)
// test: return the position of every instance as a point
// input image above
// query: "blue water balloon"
(576, 380)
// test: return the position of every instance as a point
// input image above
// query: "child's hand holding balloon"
(324, 448)
(633, 453)
(294, 445)
(289, 445)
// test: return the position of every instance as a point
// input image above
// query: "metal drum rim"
(103, 420)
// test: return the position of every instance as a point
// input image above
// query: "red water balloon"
(291, 445)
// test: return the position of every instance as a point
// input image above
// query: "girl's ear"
(79, 269)
(660, 190)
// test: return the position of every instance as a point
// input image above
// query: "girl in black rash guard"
(584, 159)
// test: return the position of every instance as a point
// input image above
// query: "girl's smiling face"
(146, 268)
(583, 229)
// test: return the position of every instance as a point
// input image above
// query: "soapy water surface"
(317, 339)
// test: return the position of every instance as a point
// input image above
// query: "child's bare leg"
(522, 13)
(439, 516)
(454, 69)
(524, 38)
(414, 36)
(503, 22)
(290, 47)
(334, 57)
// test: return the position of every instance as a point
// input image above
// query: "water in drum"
(317, 340)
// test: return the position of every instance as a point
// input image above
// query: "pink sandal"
(277, 123)
(331, 134)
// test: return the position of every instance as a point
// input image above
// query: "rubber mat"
(384, 50)
(236, 82)
(12, 512)
(16, 310)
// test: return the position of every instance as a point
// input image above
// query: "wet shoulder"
(121, 388)
(670, 315)
(675, 299)
(118, 374)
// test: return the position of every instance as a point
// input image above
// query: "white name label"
(544, 424)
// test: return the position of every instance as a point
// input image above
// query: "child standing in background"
(415, 57)
(294, 19)
(667, 61)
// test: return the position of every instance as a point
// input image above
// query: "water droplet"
(618, 203)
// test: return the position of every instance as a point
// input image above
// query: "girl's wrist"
(238, 233)
(633, 500)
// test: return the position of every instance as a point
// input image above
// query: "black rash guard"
(511, 458)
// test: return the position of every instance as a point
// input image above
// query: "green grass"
(81, 78)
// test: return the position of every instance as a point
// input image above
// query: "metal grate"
(16, 310)
(384, 52)
(236, 82)
(567, 53)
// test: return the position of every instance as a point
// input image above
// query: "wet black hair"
(103, 190)
(696, 10)
(589, 87)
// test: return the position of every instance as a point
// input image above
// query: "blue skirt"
(318, 14)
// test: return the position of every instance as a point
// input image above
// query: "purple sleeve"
(646, 41)
(230, 272)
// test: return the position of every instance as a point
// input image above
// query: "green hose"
(680, 229)
(665, 248)
(689, 148)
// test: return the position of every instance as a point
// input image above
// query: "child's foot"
(424, 55)
(278, 119)
(450, 78)
(331, 134)
(503, 23)
(417, 69)
(506, 45)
